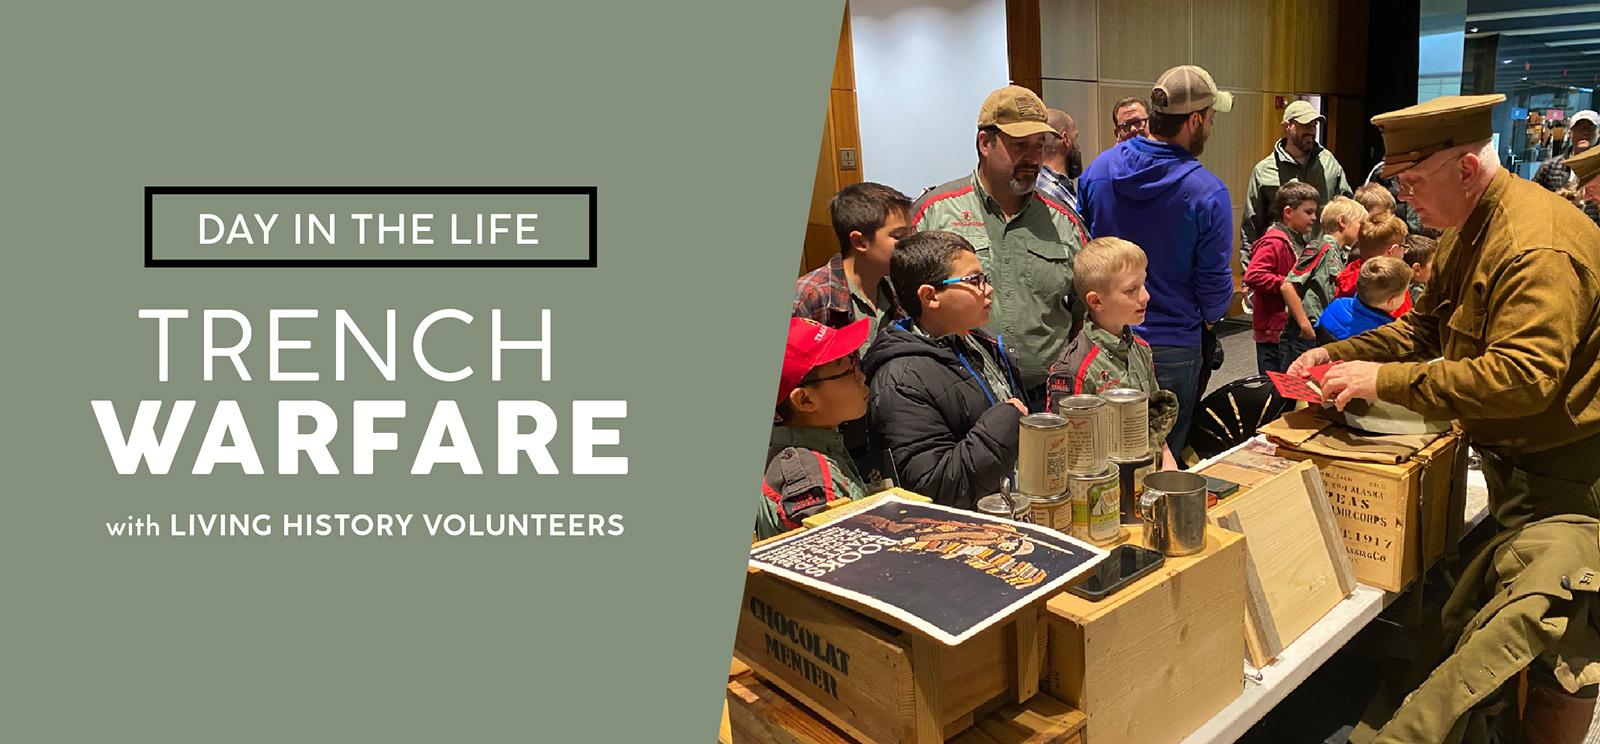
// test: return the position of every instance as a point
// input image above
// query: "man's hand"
(1349, 381)
(1312, 358)
(1018, 404)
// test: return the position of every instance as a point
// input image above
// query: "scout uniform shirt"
(1313, 277)
(807, 467)
(1514, 309)
(1097, 360)
(1029, 263)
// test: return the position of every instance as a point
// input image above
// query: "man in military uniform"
(1513, 309)
(1025, 241)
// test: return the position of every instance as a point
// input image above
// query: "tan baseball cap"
(1016, 111)
(1585, 165)
(1300, 112)
(1186, 89)
(1413, 133)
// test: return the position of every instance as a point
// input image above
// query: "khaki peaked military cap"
(1016, 111)
(1585, 165)
(1413, 133)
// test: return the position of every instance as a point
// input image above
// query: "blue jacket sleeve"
(1213, 278)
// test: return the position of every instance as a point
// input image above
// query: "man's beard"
(1020, 183)
(1074, 163)
(1197, 144)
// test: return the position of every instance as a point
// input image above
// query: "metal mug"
(1173, 508)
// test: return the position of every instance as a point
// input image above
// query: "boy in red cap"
(821, 387)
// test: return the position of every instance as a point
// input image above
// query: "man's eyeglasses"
(976, 281)
(1131, 124)
(1407, 182)
(855, 364)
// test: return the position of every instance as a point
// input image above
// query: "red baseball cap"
(812, 344)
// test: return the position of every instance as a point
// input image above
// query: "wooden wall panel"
(844, 69)
(839, 130)
(1140, 39)
(1081, 100)
(1256, 49)
(1229, 38)
(1022, 42)
(1303, 48)
(1234, 145)
(1347, 124)
(1108, 95)
(1069, 45)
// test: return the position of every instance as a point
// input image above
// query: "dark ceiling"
(1551, 42)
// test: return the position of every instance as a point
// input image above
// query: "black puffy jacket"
(950, 438)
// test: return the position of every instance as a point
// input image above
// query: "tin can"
(1130, 476)
(1086, 441)
(994, 505)
(1054, 512)
(1042, 454)
(1096, 506)
(1129, 418)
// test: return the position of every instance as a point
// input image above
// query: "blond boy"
(1311, 285)
(1108, 275)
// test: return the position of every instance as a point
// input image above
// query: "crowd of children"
(905, 375)
(942, 399)
(1312, 289)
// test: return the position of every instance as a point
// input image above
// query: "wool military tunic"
(1513, 307)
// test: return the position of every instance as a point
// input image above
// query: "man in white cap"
(1296, 157)
(1554, 174)
(1154, 192)
(1025, 240)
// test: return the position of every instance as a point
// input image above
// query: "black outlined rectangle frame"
(151, 192)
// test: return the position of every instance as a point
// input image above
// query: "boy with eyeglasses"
(820, 388)
(945, 396)
(1108, 275)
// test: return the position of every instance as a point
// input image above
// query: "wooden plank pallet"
(759, 713)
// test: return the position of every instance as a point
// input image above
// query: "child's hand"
(1307, 333)
(1018, 404)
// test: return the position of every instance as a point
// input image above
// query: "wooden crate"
(1380, 509)
(1295, 563)
(877, 682)
(1154, 661)
(758, 713)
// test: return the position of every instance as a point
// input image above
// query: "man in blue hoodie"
(1153, 192)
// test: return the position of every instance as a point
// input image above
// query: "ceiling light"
(1550, 30)
(1473, 30)
(1531, 12)
(1572, 42)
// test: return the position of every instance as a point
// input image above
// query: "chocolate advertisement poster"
(949, 573)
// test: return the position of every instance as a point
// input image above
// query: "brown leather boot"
(1555, 716)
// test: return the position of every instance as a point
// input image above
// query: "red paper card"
(1307, 388)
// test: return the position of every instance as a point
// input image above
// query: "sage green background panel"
(697, 121)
